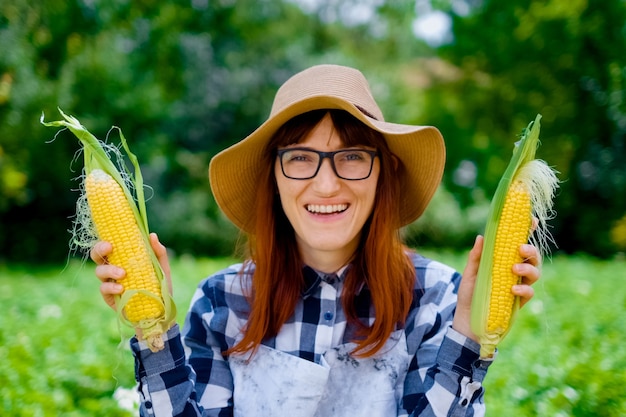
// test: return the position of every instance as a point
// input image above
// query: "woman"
(330, 315)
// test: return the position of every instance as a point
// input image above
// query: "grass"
(62, 353)
(565, 356)
(61, 348)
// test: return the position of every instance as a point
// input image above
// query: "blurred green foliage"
(563, 356)
(58, 360)
(184, 79)
(52, 351)
(565, 60)
(560, 358)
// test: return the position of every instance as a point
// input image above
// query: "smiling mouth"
(326, 209)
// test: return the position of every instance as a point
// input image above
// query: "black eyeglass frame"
(331, 157)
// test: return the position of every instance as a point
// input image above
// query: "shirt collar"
(313, 278)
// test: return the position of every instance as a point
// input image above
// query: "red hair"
(380, 262)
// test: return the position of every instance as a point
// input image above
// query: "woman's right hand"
(112, 276)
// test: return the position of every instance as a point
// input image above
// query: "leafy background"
(183, 79)
(563, 357)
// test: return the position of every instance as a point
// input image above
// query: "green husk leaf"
(100, 155)
(542, 183)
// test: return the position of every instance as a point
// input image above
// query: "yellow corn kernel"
(115, 222)
(513, 230)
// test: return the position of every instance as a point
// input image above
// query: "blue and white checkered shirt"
(190, 377)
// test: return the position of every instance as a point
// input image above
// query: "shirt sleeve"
(165, 380)
(445, 374)
(190, 376)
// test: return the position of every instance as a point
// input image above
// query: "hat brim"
(233, 173)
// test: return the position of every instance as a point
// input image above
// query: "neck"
(327, 262)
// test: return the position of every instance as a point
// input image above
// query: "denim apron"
(276, 384)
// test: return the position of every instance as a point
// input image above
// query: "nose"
(326, 182)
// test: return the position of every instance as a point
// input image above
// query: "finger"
(461, 320)
(470, 272)
(477, 251)
(471, 268)
(109, 290)
(473, 259)
(535, 224)
(161, 253)
(530, 254)
(106, 272)
(524, 292)
(529, 273)
(100, 251)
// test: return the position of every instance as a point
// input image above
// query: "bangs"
(295, 130)
(352, 132)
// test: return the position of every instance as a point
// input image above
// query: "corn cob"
(513, 231)
(115, 222)
(525, 191)
(108, 210)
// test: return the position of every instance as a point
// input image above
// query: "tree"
(181, 79)
(564, 59)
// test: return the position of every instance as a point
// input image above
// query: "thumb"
(473, 260)
(462, 315)
(161, 253)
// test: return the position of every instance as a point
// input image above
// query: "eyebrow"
(308, 148)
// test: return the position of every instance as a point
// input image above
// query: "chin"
(331, 245)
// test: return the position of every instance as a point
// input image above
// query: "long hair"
(380, 261)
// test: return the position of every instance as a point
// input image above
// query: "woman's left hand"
(529, 272)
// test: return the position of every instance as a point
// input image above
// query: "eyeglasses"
(305, 163)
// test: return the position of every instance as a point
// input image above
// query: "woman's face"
(326, 212)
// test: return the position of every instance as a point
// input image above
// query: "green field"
(62, 353)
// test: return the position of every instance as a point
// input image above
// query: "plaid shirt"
(190, 377)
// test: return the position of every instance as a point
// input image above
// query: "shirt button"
(148, 405)
(328, 315)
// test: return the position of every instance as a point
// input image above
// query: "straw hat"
(233, 172)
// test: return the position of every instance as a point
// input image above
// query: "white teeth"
(318, 208)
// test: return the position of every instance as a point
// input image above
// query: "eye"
(354, 156)
(299, 156)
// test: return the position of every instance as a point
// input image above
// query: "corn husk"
(542, 183)
(104, 156)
